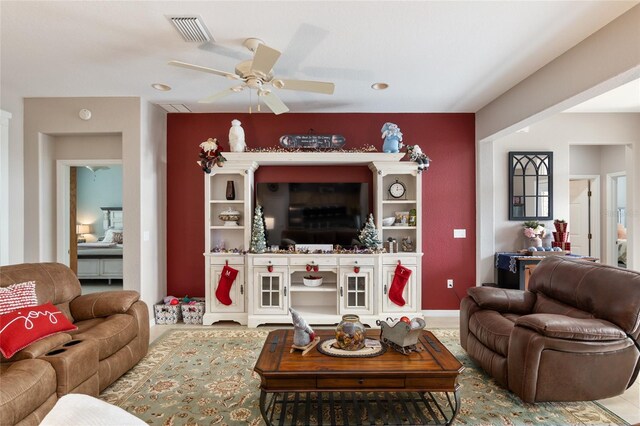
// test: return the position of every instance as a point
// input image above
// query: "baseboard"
(453, 313)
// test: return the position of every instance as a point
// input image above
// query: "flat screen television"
(313, 213)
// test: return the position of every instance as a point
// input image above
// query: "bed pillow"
(113, 236)
(20, 328)
(16, 296)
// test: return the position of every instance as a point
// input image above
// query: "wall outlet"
(449, 283)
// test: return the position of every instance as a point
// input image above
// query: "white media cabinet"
(269, 284)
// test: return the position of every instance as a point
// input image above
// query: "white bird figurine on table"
(236, 137)
(303, 334)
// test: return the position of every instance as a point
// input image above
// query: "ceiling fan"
(257, 74)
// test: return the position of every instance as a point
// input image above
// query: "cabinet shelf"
(325, 287)
(307, 311)
(398, 201)
(398, 227)
(240, 227)
(226, 201)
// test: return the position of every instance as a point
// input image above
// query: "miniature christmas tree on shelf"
(369, 235)
(258, 240)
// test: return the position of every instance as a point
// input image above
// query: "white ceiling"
(436, 56)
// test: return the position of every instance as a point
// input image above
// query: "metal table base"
(359, 408)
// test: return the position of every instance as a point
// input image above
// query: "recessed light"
(161, 87)
(379, 86)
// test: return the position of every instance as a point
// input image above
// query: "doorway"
(89, 212)
(584, 215)
(617, 224)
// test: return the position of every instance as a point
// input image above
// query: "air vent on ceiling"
(191, 28)
(175, 107)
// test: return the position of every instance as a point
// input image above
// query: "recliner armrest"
(564, 327)
(503, 300)
(40, 347)
(103, 304)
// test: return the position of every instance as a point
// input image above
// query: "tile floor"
(626, 405)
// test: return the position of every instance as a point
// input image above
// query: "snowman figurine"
(236, 137)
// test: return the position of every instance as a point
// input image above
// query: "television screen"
(313, 213)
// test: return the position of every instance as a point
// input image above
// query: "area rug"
(204, 376)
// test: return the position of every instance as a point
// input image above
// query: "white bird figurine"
(236, 137)
(303, 334)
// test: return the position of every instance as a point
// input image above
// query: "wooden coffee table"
(419, 388)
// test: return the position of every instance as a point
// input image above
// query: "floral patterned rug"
(204, 376)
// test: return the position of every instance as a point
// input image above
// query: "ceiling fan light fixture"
(252, 43)
(237, 89)
(379, 86)
(161, 87)
(278, 84)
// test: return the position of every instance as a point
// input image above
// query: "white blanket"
(76, 409)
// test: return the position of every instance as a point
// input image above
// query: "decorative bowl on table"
(312, 281)
(388, 221)
(230, 217)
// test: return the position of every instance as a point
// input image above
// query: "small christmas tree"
(369, 234)
(258, 240)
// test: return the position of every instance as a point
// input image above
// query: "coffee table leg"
(455, 409)
(263, 407)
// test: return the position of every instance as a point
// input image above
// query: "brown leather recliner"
(112, 336)
(573, 336)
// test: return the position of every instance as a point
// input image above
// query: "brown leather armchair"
(112, 336)
(573, 336)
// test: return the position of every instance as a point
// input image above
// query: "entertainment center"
(353, 281)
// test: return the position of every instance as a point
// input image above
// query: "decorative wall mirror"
(530, 185)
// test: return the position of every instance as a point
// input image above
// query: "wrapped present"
(167, 314)
(562, 237)
(193, 313)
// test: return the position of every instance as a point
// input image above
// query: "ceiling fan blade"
(264, 59)
(204, 69)
(309, 86)
(220, 95)
(274, 103)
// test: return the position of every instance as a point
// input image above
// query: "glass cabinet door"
(272, 293)
(355, 291)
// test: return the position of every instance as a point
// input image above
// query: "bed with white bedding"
(103, 259)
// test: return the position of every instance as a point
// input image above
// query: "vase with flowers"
(534, 231)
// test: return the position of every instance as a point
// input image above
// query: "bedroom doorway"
(617, 226)
(90, 222)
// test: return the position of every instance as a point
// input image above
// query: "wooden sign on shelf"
(312, 141)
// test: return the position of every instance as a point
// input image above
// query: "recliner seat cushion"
(111, 334)
(492, 330)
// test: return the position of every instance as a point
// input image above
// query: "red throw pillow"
(19, 329)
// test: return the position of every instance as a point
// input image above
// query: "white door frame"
(596, 213)
(611, 231)
(63, 177)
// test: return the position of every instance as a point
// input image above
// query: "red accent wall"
(448, 186)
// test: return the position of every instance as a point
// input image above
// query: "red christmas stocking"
(227, 277)
(400, 279)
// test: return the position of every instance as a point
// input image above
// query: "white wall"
(143, 150)
(585, 159)
(12, 103)
(153, 204)
(556, 134)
